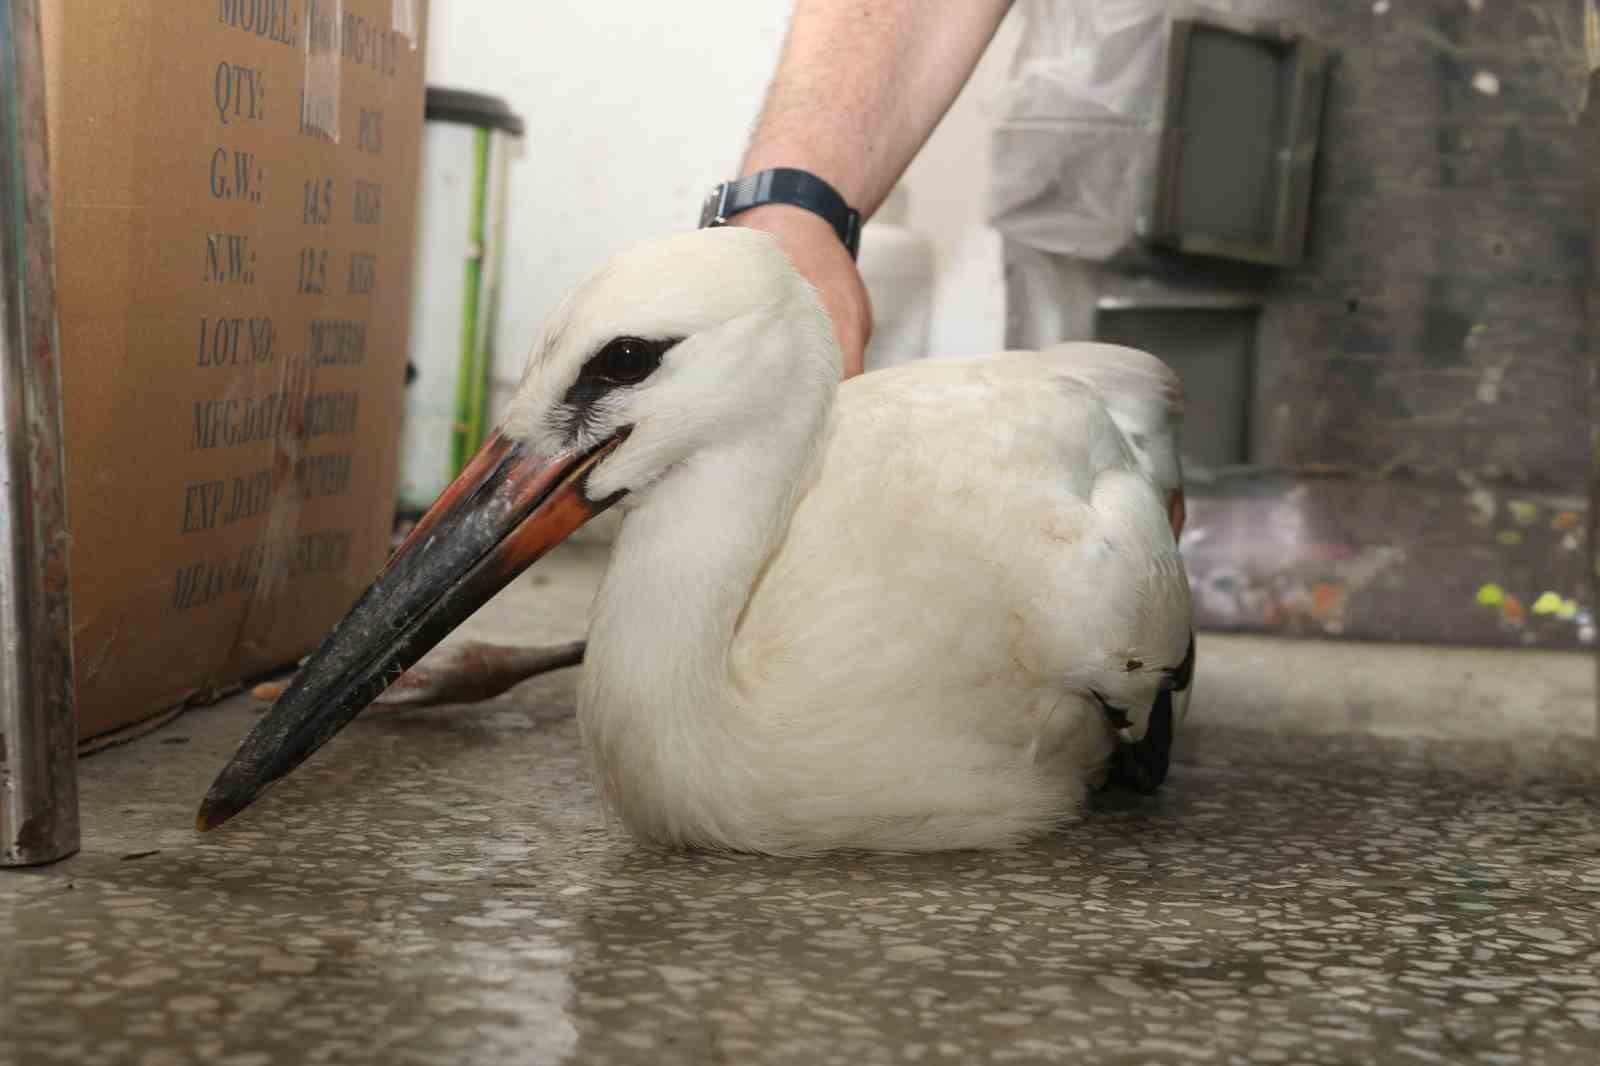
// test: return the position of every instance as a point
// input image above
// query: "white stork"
(929, 608)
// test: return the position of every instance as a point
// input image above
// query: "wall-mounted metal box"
(1208, 336)
(1243, 118)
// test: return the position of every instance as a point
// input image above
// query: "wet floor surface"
(437, 886)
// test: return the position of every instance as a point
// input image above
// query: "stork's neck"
(685, 562)
(658, 701)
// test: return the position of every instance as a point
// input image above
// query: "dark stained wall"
(1439, 325)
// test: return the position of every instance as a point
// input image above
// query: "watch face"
(709, 209)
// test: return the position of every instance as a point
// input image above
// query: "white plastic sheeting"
(1074, 152)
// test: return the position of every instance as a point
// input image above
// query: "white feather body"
(869, 615)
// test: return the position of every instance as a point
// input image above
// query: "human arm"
(860, 86)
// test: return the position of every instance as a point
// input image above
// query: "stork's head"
(692, 342)
(679, 346)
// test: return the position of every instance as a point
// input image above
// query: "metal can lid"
(471, 109)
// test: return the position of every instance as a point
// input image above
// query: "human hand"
(820, 257)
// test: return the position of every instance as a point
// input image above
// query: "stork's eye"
(626, 361)
(620, 362)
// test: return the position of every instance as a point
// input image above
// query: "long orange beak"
(505, 511)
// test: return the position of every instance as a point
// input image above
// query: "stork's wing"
(984, 525)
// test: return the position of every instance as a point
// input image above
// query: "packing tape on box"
(404, 21)
(326, 32)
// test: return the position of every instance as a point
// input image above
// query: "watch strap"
(784, 185)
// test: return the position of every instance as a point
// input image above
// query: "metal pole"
(38, 726)
(1590, 133)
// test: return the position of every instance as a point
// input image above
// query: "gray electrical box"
(1243, 118)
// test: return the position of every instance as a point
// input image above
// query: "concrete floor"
(437, 887)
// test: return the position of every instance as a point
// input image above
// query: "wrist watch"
(784, 185)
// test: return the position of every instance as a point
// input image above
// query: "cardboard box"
(234, 186)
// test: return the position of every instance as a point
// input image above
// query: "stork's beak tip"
(211, 815)
(227, 796)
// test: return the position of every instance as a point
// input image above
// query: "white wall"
(948, 184)
(634, 109)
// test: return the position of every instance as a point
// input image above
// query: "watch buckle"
(711, 210)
